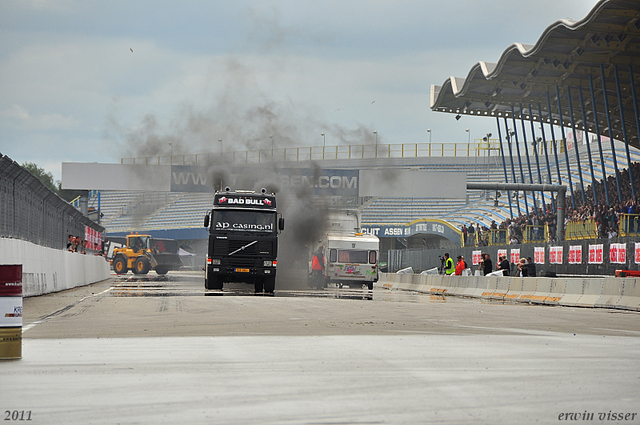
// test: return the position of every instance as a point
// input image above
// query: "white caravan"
(350, 257)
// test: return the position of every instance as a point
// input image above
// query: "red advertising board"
(575, 254)
(515, 256)
(595, 254)
(538, 255)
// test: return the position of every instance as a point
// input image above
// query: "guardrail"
(629, 225)
(478, 148)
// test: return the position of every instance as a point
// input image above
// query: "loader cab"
(138, 242)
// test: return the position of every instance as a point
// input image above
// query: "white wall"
(46, 270)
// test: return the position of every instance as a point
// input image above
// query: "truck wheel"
(161, 270)
(120, 265)
(269, 285)
(370, 285)
(141, 266)
(259, 286)
(213, 283)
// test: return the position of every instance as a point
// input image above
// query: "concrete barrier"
(574, 289)
(557, 291)
(611, 292)
(529, 285)
(46, 270)
(478, 286)
(602, 292)
(470, 285)
(438, 284)
(630, 299)
(515, 288)
(502, 288)
(591, 293)
(542, 291)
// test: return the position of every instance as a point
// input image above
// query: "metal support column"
(526, 152)
(635, 100)
(535, 151)
(513, 170)
(624, 130)
(613, 147)
(566, 151)
(553, 140)
(598, 137)
(515, 132)
(546, 152)
(586, 136)
(575, 144)
(504, 165)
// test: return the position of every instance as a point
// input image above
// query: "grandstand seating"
(131, 210)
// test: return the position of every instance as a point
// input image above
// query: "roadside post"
(10, 311)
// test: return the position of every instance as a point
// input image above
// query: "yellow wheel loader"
(140, 256)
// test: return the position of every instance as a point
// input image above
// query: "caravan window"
(333, 255)
(359, 257)
(372, 257)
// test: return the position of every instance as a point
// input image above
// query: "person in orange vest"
(460, 266)
(317, 267)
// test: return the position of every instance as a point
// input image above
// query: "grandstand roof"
(603, 45)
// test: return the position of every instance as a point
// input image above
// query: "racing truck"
(141, 253)
(243, 239)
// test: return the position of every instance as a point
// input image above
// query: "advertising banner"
(515, 256)
(93, 238)
(617, 253)
(320, 182)
(595, 254)
(555, 255)
(426, 227)
(476, 257)
(538, 255)
(575, 254)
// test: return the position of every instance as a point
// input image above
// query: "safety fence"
(577, 257)
(30, 211)
(628, 225)
(491, 237)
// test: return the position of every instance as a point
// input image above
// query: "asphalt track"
(168, 351)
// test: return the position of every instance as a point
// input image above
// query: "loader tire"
(141, 266)
(120, 265)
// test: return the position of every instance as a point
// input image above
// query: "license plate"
(242, 270)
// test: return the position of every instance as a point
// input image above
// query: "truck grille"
(223, 247)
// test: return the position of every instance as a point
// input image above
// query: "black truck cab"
(243, 239)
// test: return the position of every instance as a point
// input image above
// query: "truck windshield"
(243, 221)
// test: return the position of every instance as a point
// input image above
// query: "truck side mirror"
(281, 223)
(206, 220)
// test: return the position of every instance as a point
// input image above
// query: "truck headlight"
(214, 261)
(269, 263)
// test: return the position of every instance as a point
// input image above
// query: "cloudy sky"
(95, 81)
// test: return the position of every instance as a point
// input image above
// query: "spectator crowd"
(605, 215)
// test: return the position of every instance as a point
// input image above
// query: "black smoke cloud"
(240, 117)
